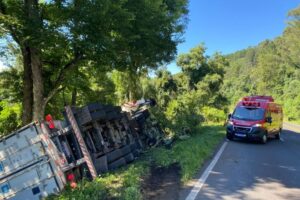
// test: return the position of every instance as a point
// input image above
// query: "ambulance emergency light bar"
(251, 103)
(258, 98)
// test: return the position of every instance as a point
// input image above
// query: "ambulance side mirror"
(269, 119)
(229, 115)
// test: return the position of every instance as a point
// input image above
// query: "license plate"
(240, 134)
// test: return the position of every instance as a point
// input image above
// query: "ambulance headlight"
(257, 125)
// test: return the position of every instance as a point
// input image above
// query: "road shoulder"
(189, 186)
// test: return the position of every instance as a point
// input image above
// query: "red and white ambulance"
(255, 118)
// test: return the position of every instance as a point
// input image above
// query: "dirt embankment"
(163, 183)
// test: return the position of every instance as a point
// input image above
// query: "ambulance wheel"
(229, 137)
(277, 136)
(264, 138)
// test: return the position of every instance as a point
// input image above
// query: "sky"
(230, 25)
(2, 67)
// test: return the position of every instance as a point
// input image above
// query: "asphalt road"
(255, 171)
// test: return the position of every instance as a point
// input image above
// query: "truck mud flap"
(116, 164)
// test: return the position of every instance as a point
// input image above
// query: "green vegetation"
(76, 52)
(270, 68)
(192, 152)
(61, 44)
(126, 182)
(9, 118)
(121, 184)
(193, 96)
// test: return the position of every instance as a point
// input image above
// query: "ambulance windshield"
(248, 113)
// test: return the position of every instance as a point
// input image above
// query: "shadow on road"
(249, 170)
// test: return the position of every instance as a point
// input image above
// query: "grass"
(293, 121)
(190, 153)
(125, 183)
(120, 184)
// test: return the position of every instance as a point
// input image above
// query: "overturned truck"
(42, 157)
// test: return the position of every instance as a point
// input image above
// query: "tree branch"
(68, 66)
(51, 94)
(61, 76)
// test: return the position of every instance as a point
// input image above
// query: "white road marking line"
(281, 139)
(197, 187)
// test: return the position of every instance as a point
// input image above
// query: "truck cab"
(255, 118)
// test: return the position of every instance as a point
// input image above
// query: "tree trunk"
(27, 87)
(38, 86)
(31, 8)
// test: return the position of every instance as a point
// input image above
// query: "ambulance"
(255, 118)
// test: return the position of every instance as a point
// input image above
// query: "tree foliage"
(193, 95)
(58, 37)
(270, 68)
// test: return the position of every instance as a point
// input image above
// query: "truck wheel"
(114, 155)
(129, 158)
(125, 150)
(264, 139)
(277, 136)
(101, 164)
(116, 164)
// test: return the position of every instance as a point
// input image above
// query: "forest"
(72, 53)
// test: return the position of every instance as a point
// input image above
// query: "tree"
(127, 86)
(270, 68)
(194, 64)
(56, 37)
(291, 42)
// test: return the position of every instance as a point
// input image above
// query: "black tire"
(264, 138)
(111, 115)
(229, 137)
(278, 135)
(133, 146)
(116, 164)
(129, 158)
(136, 153)
(94, 106)
(101, 165)
(125, 150)
(114, 155)
(98, 115)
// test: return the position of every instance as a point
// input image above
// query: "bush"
(9, 117)
(291, 109)
(182, 115)
(213, 114)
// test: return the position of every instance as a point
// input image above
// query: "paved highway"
(254, 171)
